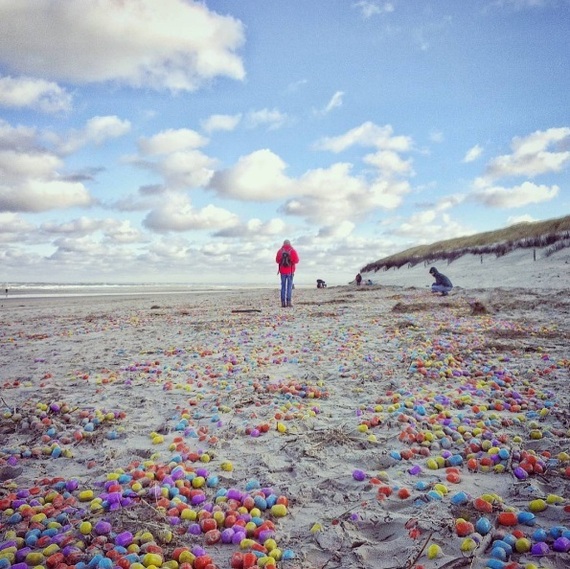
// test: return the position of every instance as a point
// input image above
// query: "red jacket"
(294, 259)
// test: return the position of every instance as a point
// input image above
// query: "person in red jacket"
(286, 260)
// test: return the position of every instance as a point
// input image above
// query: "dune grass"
(553, 234)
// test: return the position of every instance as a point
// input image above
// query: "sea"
(53, 290)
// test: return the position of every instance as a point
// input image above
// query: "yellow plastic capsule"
(85, 528)
(434, 551)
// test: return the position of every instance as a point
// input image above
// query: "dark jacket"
(441, 279)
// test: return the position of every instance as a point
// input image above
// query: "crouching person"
(442, 284)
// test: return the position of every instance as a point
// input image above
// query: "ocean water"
(51, 290)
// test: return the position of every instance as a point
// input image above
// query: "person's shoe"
(444, 293)
(289, 305)
(283, 305)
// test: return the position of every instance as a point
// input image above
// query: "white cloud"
(19, 138)
(450, 201)
(26, 92)
(334, 103)
(176, 213)
(367, 134)
(37, 194)
(171, 140)
(178, 161)
(389, 163)
(514, 219)
(255, 229)
(99, 129)
(96, 131)
(518, 196)
(172, 44)
(369, 8)
(532, 156)
(220, 122)
(473, 153)
(122, 231)
(30, 178)
(331, 195)
(259, 176)
(336, 232)
(11, 226)
(79, 251)
(20, 165)
(113, 230)
(187, 169)
(327, 195)
(173, 249)
(428, 227)
(272, 118)
(79, 226)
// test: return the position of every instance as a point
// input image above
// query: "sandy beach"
(371, 427)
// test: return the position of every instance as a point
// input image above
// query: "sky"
(182, 141)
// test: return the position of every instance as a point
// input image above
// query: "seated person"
(321, 283)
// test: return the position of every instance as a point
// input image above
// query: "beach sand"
(371, 427)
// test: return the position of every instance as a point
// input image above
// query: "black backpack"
(286, 259)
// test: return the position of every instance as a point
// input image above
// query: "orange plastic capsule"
(507, 519)
(482, 505)
(472, 464)
(463, 528)
(404, 493)
(453, 477)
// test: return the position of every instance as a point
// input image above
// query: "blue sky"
(181, 141)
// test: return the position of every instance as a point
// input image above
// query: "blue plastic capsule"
(526, 518)
(499, 553)
(460, 498)
(483, 525)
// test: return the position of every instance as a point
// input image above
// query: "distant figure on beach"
(321, 283)
(286, 260)
(358, 279)
(442, 284)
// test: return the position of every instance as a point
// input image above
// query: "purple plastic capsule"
(198, 499)
(123, 539)
(6, 544)
(359, 475)
(194, 529)
(234, 494)
(102, 528)
(540, 549)
(561, 544)
(520, 473)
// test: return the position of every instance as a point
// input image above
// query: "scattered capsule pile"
(471, 438)
(461, 414)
